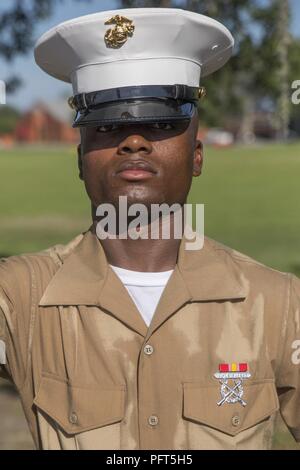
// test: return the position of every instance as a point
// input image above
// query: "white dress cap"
(141, 46)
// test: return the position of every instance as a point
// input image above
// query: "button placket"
(149, 421)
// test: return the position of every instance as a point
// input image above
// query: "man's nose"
(135, 143)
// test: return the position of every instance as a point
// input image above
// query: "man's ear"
(198, 158)
(79, 156)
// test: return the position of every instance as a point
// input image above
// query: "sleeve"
(2, 342)
(15, 314)
(5, 316)
(288, 379)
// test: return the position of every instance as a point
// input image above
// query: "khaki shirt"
(92, 375)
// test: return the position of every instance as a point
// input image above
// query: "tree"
(284, 40)
(17, 27)
(258, 70)
(8, 119)
(281, 53)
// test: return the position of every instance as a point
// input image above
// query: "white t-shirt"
(145, 289)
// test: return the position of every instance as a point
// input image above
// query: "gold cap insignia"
(117, 36)
(201, 92)
(71, 102)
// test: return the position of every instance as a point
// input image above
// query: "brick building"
(47, 122)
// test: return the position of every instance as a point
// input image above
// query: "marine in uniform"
(142, 344)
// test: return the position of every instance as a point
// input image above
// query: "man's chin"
(137, 197)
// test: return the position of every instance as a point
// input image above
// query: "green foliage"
(16, 25)
(253, 70)
(18, 21)
(294, 60)
(8, 119)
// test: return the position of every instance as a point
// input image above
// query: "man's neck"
(144, 255)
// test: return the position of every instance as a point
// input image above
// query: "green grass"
(252, 202)
(42, 202)
(251, 197)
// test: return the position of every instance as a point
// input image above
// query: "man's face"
(148, 163)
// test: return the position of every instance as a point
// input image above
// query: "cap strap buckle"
(81, 102)
(71, 102)
(201, 92)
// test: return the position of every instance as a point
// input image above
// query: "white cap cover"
(167, 46)
(132, 56)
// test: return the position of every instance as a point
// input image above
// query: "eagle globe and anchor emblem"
(117, 36)
(233, 391)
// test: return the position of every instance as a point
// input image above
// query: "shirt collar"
(85, 278)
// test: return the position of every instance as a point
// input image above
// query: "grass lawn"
(42, 202)
(251, 197)
(252, 202)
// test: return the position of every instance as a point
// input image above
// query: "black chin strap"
(84, 101)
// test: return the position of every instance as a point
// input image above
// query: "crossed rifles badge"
(236, 373)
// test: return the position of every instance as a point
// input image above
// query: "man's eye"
(107, 128)
(112, 127)
(163, 126)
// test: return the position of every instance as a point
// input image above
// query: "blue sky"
(39, 86)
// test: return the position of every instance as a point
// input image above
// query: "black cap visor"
(135, 111)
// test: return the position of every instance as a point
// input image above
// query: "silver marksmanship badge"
(231, 378)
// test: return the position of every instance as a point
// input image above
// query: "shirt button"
(148, 349)
(73, 418)
(235, 420)
(153, 420)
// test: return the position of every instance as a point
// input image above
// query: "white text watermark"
(2, 92)
(161, 221)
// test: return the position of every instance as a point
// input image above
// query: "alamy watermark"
(296, 354)
(160, 221)
(2, 92)
(295, 98)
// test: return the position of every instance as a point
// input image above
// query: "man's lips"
(135, 170)
(135, 175)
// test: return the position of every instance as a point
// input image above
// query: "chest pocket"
(80, 408)
(200, 405)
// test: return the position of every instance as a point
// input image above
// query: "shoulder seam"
(250, 260)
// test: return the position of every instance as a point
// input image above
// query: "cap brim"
(135, 111)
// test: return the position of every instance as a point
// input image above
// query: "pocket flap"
(78, 408)
(200, 404)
